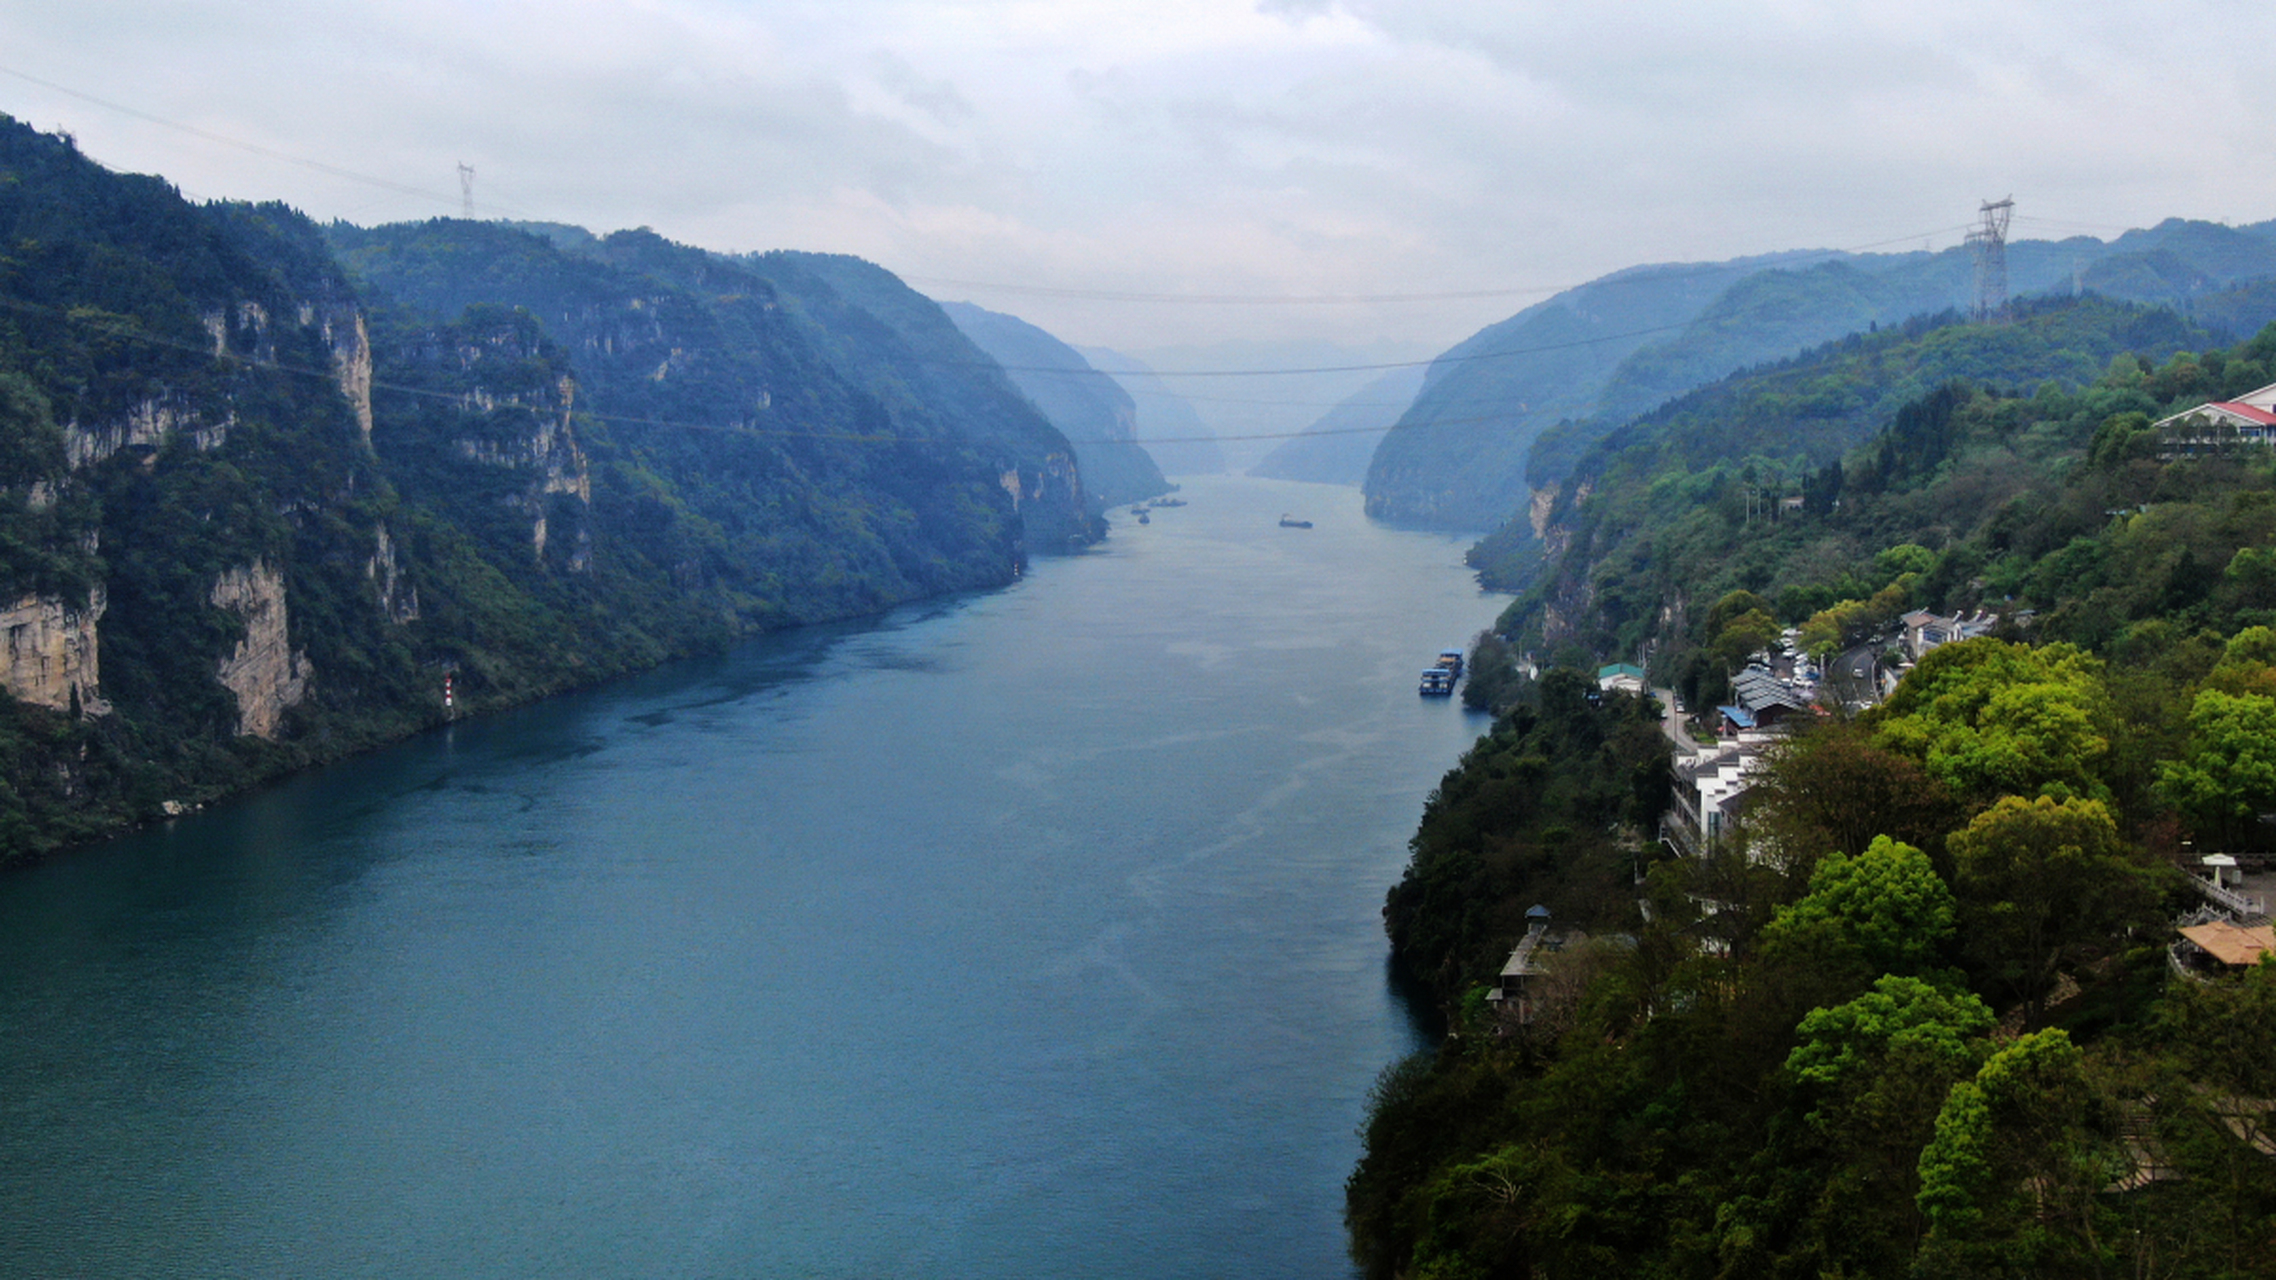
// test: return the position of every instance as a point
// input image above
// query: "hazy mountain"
(1337, 447)
(1255, 393)
(1168, 427)
(1097, 416)
(1509, 410)
(266, 486)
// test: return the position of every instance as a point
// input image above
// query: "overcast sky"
(1193, 147)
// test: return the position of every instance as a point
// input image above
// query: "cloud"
(1199, 146)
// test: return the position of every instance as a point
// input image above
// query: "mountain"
(1169, 429)
(1256, 392)
(1694, 1069)
(1097, 416)
(1336, 448)
(1666, 514)
(1510, 409)
(268, 488)
(1456, 458)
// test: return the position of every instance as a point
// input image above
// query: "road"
(1848, 686)
(1671, 724)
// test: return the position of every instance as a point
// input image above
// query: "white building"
(2250, 419)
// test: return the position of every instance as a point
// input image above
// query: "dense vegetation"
(1513, 408)
(1919, 1020)
(293, 477)
(1092, 410)
(2008, 499)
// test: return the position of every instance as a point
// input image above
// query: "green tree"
(1744, 636)
(2229, 776)
(1832, 788)
(1887, 903)
(2039, 881)
(2008, 1182)
(2223, 1059)
(1877, 1069)
(1987, 717)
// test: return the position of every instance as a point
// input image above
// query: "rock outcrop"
(264, 671)
(51, 653)
(398, 599)
(344, 332)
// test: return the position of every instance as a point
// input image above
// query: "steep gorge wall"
(51, 656)
(264, 671)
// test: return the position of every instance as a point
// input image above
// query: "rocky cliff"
(263, 672)
(51, 658)
(1091, 409)
(262, 483)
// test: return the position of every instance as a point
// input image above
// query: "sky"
(1178, 173)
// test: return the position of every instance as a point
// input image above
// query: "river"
(1029, 933)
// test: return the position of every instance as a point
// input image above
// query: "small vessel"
(1169, 502)
(1290, 522)
(1437, 682)
(1143, 518)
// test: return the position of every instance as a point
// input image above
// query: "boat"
(1451, 659)
(1291, 522)
(1169, 502)
(1143, 518)
(1437, 682)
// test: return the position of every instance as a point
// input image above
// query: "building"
(2217, 426)
(1518, 991)
(2218, 943)
(1924, 631)
(1759, 700)
(1707, 792)
(1621, 677)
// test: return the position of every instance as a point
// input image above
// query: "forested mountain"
(1918, 1017)
(1097, 416)
(258, 506)
(1169, 429)
(1490, 428)
(1640, 542)
(1337, 447)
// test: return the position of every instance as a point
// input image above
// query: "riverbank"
(994, 909)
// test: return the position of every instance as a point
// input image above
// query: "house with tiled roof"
(1620, 677)
(2219, 425)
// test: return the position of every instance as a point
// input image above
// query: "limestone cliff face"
(1049, 491)
(398, 599)
(1537, 510)
(147, 423)
(50, 657)
(344, 332)
(263, 671)
(550, 454)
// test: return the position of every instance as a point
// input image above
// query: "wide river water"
(1028, 934)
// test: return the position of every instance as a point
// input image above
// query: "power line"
(465, 201)
(255, 148)
(1644, 275)
(1341, 368)
(331, 376)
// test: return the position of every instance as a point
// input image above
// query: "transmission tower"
(466, 191)
(1989, 240)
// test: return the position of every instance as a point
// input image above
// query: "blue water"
(1032, 933)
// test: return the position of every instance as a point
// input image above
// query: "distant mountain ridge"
(1485, 432)
(1091, 409)
(1337, 448)
(1172, 433)
(1617, 541)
